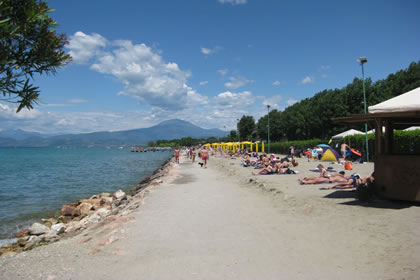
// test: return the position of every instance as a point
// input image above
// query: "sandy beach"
(224, 223)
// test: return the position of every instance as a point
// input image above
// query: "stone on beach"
(32, 242)
(95, 201)
(85, 208)
(103, 212)
(22, 233)
(70, 210)
(38, 229)
(58, 228)
(120, 195)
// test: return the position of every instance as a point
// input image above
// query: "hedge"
(405, 142)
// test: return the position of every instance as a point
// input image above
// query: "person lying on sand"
(270, 169)
(287, 164)
(339, 174)
(354, 181)
(337, 178)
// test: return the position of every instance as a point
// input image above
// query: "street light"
(239, 134)
(268, 128)
(362, 61)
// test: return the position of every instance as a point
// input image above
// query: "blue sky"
(137, 63)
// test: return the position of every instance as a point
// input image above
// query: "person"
(337, 178)
(187, 152)
(287, 163)
(292, 151)
(193, 155)
(204, 156)
(320, 152)
(354, 181)
(315, 153)
(176, 154)
(344, 148)
(266, 170)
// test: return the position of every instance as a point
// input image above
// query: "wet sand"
(224, 223)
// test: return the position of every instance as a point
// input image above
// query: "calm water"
(35, 182)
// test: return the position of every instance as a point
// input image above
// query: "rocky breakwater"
(80, 215)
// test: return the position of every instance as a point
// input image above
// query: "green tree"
(246, 127)
(233, 136)
(29, 45)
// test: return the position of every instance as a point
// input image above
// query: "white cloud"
(223, 72)
(146, 76)
(236, 82)
(307, 80)
(203, 83)
(273, 101)
(291, 101)
(208, 51)
(233, 2)
(77, 100)
(276, 83)
(83, 47)
(324, 76)
(231, 99)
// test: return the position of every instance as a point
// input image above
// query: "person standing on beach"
(193, 155)
(292, 151)
(204, 156)
(176, 154)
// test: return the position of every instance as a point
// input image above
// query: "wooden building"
(397, 176)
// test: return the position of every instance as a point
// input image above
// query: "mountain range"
(167, 130)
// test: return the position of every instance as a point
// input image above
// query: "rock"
(38, 229)
(22, 241)
(70, 210)
(73, 226)
(65, 219)
(95, 202)
(120, 195)
(58, 228)
(85, 208)
(105, 194)
(32, 242)
(22, 233)
(50, 236)
(94, 218)
(103, 212)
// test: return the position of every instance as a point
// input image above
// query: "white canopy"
(412, 128)
(409, 101)
(346, 133)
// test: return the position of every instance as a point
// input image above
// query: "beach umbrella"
(323, 146)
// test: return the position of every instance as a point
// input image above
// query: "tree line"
(311, 117)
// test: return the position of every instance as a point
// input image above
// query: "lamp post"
(362, 61)
(268, 128)
(237, 127)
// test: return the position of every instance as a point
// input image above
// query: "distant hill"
(167, 130)
(18, 134)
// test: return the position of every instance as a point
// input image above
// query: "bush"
(284, 147)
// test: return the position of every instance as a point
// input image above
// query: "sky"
(209, 62)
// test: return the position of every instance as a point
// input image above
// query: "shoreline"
(223, 222)
(13, 245)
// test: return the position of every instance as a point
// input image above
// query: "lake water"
(36, 182)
